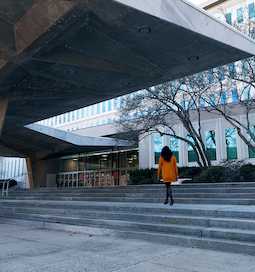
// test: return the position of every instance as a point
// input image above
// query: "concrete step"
(157, 194)
(156, 199)
(233, 211)
(214, 216)
(155, 186)
(205, 221)
(194, 231)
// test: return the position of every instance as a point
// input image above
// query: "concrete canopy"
(60, 55)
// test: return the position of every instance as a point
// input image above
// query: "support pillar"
(3, 110)
(30, 173)
(39, 171)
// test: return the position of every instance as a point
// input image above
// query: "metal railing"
(91, 178)
(5, 188)
(6, 183)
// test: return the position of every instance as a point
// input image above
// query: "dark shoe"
(166, 202)
(172, 202)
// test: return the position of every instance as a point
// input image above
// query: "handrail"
(5, 188)
(6, 184)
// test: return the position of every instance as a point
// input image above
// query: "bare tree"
(239, 80)
(160, 109)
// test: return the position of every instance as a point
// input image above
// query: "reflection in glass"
(174, 146)
(251, 149)
(158, 145)
(210, 142)
(231, 144)
(192, 156)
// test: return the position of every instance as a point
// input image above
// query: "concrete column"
(3, 110)
(30, 173)
(39, 170)
(183, 148)
(220, 141)
(144, 152)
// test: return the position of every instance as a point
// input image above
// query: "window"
(73, 115)
(221, 73)
(252, 150)
(98, 108)
(104, 106)
(246, 94)
(212, 100)
(174, 146)
(109, 105)
(251, 9)
(223, 98)
(192, 156)
(202, 102)
(239, 14)
(82, 113)
(231, 144)
(210, 141)
(228, 17)
(158, 145)
(117, 102)
(77, 113)
(210, 76)
(68, 116)
(235, 98)
(232, 69)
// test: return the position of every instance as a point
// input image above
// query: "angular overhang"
(61, 55)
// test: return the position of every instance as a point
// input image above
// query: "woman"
(168, 171)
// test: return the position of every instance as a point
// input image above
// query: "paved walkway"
(27, 248)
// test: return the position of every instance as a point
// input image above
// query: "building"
(112, 165)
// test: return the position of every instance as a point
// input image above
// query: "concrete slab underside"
(27, 248)
(59, 55)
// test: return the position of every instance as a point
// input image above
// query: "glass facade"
(235, 96)
(240, 15)
(210, 142)
(251, 10)
(252, 150)
(229, 18)
(192, 156)
(231, 143)
(174, 145)
(223, 98)
(158, 145)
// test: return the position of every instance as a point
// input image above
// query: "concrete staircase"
(211, 216)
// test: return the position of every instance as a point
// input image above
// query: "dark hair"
(166, 153)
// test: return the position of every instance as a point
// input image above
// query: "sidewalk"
(25, 248)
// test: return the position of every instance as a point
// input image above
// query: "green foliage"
(247, 172)
(189, 172)
(229, 172)
(212, 174)
(234, 172)
(143, 176)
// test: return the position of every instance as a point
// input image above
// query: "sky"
(196, 2)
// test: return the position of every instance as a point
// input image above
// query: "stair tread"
(124, 222)
(171, 215)
(209, 207)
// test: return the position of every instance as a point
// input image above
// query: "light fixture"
(144, 29)
(193, 58)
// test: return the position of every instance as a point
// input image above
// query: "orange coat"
(168, 170)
